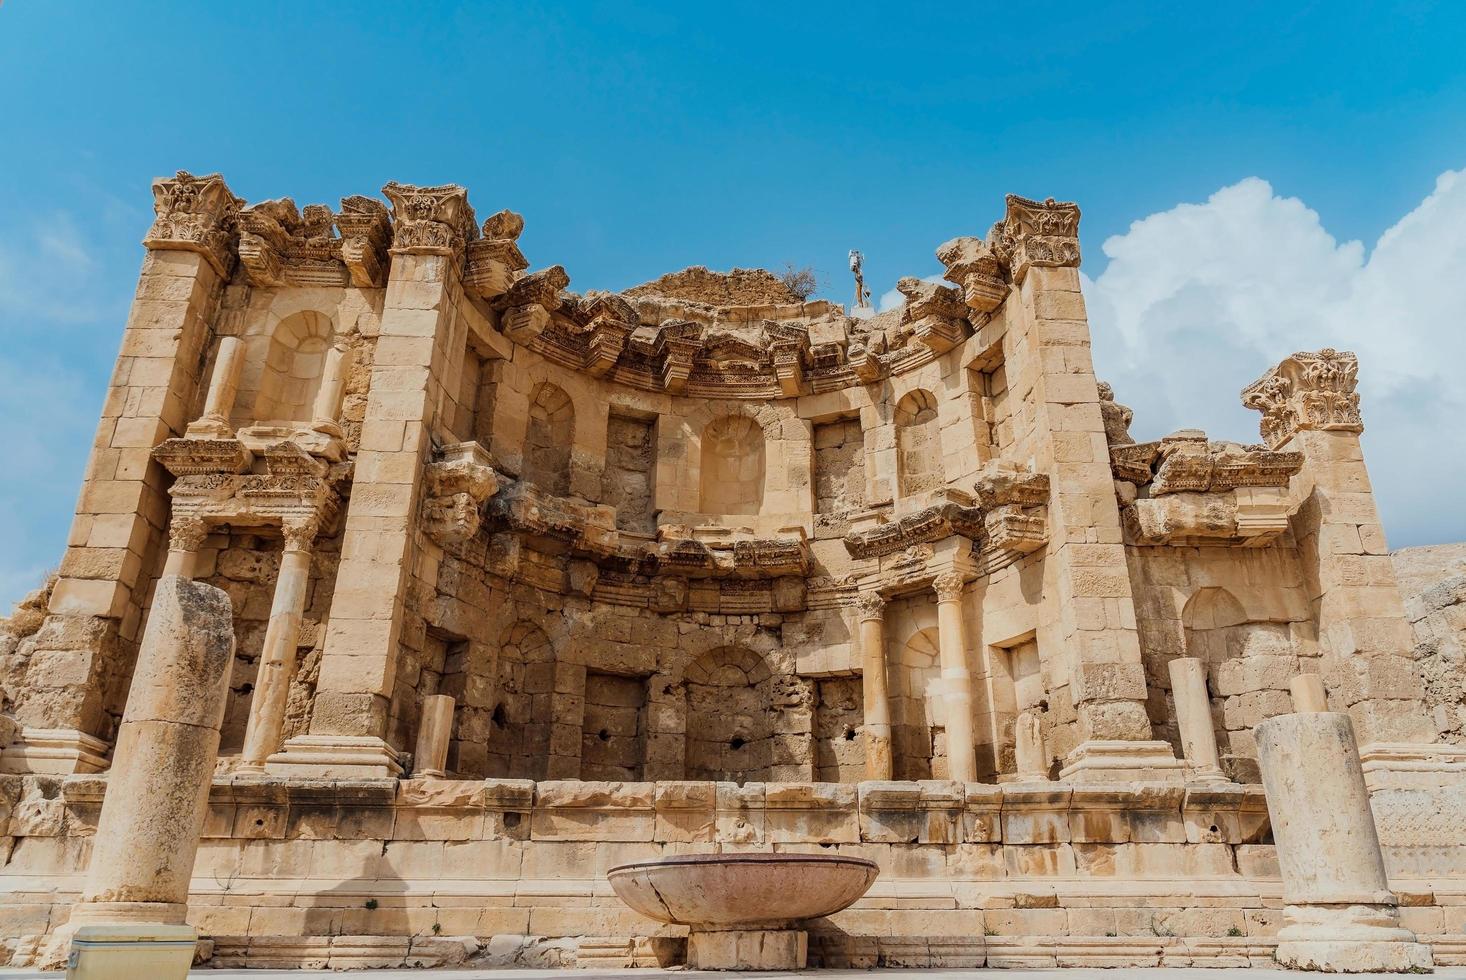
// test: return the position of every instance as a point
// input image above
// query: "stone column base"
(1354, 956)
(1116, 760)
(55, 751)
(131, 951)
(748, 949)
(335, 756)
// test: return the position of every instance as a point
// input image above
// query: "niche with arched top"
(918, 730)
(548, 440)
(730, 719)
(732, 466)
(295, 360)
(519, 736)
(918, 443)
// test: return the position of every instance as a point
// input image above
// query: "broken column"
(136, 892)
(1193, 718)
(223, 389)
(1340, 913)
(434, 728)
(1030, 759)
(877, 701)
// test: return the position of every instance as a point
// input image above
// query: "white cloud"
(46, 273)
(1199, 300)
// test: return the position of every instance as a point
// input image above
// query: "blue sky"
(1221, 156)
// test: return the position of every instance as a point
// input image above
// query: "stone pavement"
(1444, 973)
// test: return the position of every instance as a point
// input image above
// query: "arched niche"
(295, 360)
(548, 439)
(519, 739)
(729, 716)
(917, 712)
(918, 443)
(733, 465)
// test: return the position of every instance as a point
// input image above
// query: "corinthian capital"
(186, 532)
(430, 220)
(870, 605)
(196, 214)
(300, 532)
(1307, 391)
(1036, 233)
(948, 586)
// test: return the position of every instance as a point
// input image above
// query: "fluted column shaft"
(277, 660)
(956, 679)
(874, 686)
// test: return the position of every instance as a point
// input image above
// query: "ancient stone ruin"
(528, 584)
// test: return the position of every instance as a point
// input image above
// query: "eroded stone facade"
(705, 566)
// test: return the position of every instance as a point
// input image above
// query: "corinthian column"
(277, 660)
(873, 684)
(956, 681)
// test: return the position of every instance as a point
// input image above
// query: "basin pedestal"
(747, 949)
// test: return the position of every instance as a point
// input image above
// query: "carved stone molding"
(1036, 233)
(196, 214)
(458, 484)
(430, 220)
(930, 524)
(288, 487)
(680, 554)
(1307, 391)
(971, 264)
(525, 308)
(586, 527)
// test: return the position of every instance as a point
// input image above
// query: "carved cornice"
(430, 220)
(923, 527)
(587, 527)
(971, 264)
(934, 315)
(525, 308)
(1036, 233)
(196, 214)
(292, 488)
(366, 234)
(678, 553)
(495, 259)
(1307, 391)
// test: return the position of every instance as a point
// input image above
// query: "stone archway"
(730, 718)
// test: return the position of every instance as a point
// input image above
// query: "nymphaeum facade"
(702, 564)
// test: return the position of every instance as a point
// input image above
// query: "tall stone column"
(277, 659)
(223, 389)
(95, 614)
(1309, 404)
(956, 679)
(1341, 916)
(420, 339)
(157, 794)
(874, 686)
(1088, 614)
(1193, 718)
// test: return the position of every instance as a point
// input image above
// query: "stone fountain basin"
(742, 891)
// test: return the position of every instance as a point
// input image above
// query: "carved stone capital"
(186, 532)
(430, 220)
(1307, 391)
(1036, 233)
(870, 605)
(948, 586)
(934, 314)
(196, 214)
(300, 532)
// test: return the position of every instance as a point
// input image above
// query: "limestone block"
(575, 810)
